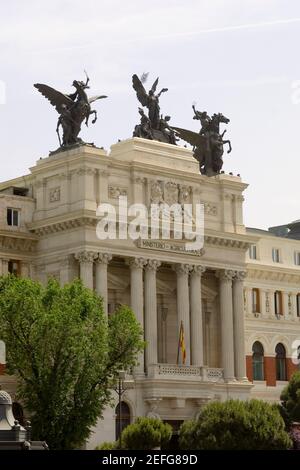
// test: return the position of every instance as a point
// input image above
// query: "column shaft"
(227, 324)
(86, 259)
(196, 317)
(101, 277)
(183, 305)
(137, 301)
(4, 267)
(239, 326)
(151, 312)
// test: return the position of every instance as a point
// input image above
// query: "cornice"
(88, 218)
(273, 273)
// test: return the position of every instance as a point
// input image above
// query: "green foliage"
(65, 354)
(290, 399)
(145, 434)
(236, 425)
(107, 446)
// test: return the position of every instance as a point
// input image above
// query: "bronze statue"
(73, 109)
(208, 143)
(153, 126)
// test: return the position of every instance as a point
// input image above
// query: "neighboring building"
(48, 229)
(272, 308)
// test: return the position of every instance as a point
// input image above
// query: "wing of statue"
(56, 98)
(193, 138)
(140, 90)
(153, 88)
(96, 97)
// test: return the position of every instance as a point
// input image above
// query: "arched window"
(280, 362)
(258, 361)
(122, 418)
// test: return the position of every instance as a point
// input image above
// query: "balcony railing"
(174, 371)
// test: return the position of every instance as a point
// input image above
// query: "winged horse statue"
(73, 109)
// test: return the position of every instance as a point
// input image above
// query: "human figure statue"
(144, 128)
(156, 129)
(167, 130)
(208, 144)
(204, 119)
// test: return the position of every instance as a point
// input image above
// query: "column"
(226, 312)
(4, 267)
(196, 316)
(287, 305)
(270, 303)
(86, 259)
(101, 277)
(294, 305)
(151, 312)
(239, 327)
(64, 273)
(137, 301)
(183, 305)
(262, 301)
(249, 306)
(25, 269)
(0, 267)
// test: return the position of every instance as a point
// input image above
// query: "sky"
(240, 58)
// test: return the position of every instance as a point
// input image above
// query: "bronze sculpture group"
(73, 109)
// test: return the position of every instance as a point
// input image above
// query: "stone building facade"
(48, 222)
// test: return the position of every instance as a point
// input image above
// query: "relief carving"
(54, 194)
(114, 192)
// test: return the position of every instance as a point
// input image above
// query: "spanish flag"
(181, 345)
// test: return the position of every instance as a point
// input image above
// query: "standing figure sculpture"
(208, 143)
(73, 109)
(155, 129)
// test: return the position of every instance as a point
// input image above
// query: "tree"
(145, 434)
(236, 425)
(65, 354)
(290, 399)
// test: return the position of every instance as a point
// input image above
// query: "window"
(13, 217)
(297, 258)
(280, 362)
(14, 267)
(298, 305)
(253, 252)
(122, 418)
(255, 301)
(275, 255)
(258, 361)
(278, 302)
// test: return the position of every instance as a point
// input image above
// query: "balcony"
(190, 373)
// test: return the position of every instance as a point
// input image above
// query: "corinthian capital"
(153, 265)
(240, 275)
(225, 274)
(86, 256)
(182, 268)
(198, 270)
(137, 263)
(103, 258)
